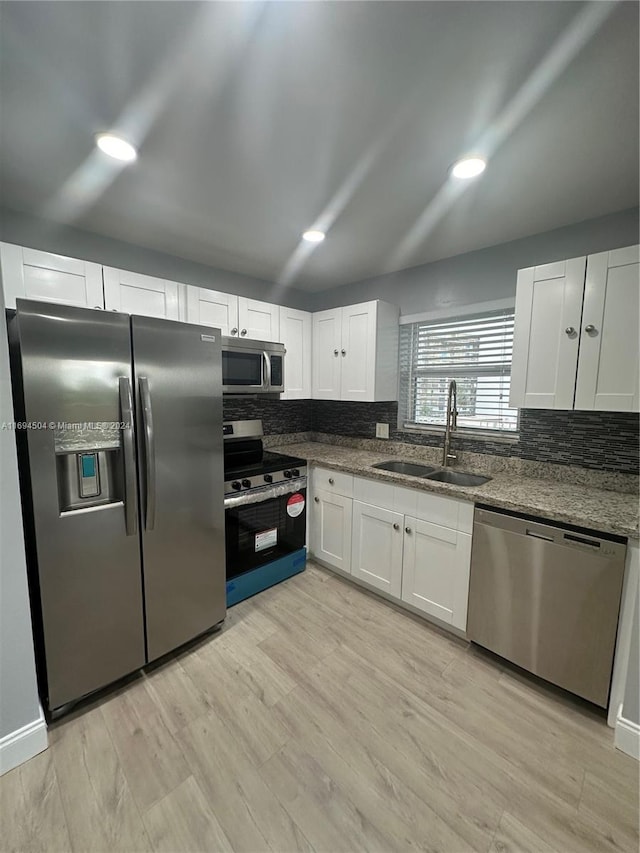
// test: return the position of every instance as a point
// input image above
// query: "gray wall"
(18, 687)
(25, 230)
(487, 274)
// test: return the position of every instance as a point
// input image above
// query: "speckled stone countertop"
(579, 504)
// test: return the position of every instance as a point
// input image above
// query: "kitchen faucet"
(452, 422)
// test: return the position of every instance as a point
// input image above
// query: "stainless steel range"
(265, 498)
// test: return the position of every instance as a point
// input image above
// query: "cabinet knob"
(344, 352)
(407, 530)
(396, 526)
(331, 481)
(335, 352)
(570, 331)
(590, 329)
(317, 500)
(234, 331)
(243, 332)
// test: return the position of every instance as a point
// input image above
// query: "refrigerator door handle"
(130, 490)
(149, 453)
(267, 371)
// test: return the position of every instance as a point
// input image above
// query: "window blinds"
(476, 352)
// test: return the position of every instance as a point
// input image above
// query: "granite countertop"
(582, 505)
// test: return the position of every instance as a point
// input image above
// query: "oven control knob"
(268, 478)
(246, 484)
(236, 485)
(295, 472)
(287, 474)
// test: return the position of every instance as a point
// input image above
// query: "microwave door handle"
(128, 454)
(150, 454)
(267, 371)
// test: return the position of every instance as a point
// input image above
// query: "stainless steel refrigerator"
(122, 480)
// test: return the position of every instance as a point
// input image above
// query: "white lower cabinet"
(330, 529)
(435, 570)
(413, 545)
(376, 550)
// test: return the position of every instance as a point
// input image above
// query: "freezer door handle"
(130, 490)
(149, 454)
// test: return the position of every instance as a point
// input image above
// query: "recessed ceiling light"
(313, 236)
(468, 167)
(116, 147)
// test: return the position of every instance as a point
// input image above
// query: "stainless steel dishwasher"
(547, 598)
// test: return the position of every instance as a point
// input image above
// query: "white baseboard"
(627, 736)
(21, 745)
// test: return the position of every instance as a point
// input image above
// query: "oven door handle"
(267, 494)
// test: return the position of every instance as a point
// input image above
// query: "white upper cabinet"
(258, 320)
(236, 316)
(295, 334)
(610, 336)
(145, 295)
(30, 274)
(576, 343)
(327, 342)
(546, 335)
(212, 308)
(355, 353)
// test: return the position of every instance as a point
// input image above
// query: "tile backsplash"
(278, 416)
(605, 441)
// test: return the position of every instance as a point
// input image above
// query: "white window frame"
(404, 401)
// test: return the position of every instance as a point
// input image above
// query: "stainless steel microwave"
(252, 367)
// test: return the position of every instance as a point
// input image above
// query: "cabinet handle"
(331, 481)
(99, 307)
(344, 352)
(234, 331)
(590, 329)
(407, 530)
(570, 331)
(396, 526)
(335, 352)
(317, 500)
(243, 332)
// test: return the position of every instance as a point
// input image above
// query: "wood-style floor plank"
(320, 718)
(31, 809)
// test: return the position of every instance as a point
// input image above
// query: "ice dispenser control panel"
(88, 475)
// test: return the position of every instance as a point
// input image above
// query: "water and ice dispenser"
(89, 470)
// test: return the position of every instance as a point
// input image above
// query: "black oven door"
(263, 526)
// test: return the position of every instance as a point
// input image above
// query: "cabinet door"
(331, 529)
(358, 352)
(212, 308)
(546, 337)
(376, 553)
(435, 571)
(145, 295)
(295, 334)
(30, 274)
(327, 361)
(258, 320)
(609, 344)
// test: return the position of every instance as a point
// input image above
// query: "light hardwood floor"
(324, 719)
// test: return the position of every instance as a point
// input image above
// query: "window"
(475, 351)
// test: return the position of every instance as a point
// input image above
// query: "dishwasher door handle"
(535, 535)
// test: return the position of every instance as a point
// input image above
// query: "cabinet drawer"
(334, 482)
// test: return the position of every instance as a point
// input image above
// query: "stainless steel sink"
(413, 469)
(457, 478)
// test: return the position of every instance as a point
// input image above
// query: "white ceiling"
(256, 121)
